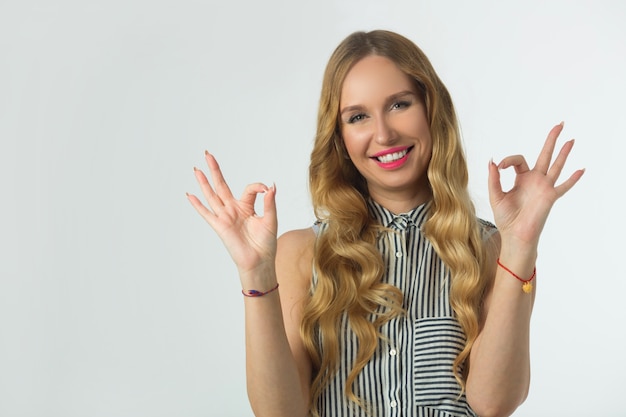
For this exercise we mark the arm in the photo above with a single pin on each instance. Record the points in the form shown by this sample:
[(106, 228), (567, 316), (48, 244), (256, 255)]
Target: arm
[(499, 374), (277, 366)]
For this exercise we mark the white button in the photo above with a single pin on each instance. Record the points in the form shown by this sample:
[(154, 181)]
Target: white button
[(392, 352), (393, 404), (398, 254)]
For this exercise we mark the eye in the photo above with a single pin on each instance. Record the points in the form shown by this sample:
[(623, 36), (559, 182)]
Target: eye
[(356, 118), (400, 104)]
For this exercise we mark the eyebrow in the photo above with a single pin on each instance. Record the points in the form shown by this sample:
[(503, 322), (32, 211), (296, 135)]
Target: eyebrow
[(391, 98)]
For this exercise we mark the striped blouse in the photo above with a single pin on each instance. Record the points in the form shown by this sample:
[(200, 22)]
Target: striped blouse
[(410, 374)]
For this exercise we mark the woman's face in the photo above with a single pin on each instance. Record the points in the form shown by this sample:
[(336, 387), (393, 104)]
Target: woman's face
[(386, 133)]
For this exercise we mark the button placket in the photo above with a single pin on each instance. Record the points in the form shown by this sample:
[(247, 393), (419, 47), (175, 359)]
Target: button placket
[(392, 361), (398, 257), (401, 222)]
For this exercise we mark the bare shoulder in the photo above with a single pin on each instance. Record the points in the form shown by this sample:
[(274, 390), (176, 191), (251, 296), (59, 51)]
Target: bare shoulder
[(492, 249), (302, 239), (492, 243), (294, 269), (295, 254)]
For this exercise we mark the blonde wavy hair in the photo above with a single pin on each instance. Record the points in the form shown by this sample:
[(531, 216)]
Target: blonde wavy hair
[(347, 262)]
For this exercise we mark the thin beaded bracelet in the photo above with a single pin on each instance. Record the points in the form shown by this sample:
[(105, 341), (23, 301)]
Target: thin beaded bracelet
[(527, 286), (255, 293)]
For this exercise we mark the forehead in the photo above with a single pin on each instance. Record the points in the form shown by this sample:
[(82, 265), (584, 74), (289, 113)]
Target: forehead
[(373, 77)]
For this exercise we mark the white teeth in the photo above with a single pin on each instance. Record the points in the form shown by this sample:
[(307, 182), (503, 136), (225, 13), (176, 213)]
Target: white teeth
[(390, 157)]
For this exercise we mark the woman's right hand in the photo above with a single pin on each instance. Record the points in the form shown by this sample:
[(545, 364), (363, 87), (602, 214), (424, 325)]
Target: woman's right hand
[(249, 238)]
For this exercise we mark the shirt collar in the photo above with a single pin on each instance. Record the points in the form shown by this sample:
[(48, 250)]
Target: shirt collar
[(415, 217)]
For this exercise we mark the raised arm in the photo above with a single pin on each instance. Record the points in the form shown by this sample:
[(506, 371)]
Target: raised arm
[(499, 373), (276, 374)]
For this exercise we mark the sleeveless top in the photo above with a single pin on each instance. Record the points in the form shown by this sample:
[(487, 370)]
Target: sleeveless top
[(411, 372)]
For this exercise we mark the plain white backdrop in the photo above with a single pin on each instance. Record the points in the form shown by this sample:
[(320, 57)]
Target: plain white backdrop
[(116, 299)]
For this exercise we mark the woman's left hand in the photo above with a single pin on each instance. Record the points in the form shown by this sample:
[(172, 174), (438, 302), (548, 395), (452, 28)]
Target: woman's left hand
[(521, 212)]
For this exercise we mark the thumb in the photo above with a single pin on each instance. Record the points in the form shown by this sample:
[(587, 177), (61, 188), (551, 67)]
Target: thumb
[(495, 186), (269, 207)]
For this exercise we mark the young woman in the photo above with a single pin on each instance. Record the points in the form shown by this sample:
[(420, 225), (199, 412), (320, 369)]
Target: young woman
[(399, 301)]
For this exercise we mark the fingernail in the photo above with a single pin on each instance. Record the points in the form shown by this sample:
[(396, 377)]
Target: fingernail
[(195, 169), (562, 123), (206, 153)]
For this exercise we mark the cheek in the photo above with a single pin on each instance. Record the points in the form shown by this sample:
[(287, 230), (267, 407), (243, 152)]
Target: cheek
[(414, 126), (421, 132), (354, 140)]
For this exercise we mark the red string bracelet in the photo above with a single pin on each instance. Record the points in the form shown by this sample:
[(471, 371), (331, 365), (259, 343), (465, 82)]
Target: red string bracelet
[(527, 286), (255, 293)]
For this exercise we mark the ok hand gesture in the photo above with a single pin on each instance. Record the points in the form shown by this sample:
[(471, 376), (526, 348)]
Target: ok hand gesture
[(521, 212), (249, 238)]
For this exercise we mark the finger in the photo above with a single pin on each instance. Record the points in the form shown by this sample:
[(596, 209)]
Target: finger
[(494, 184), (545, 156), (269, 207), (569, 183), (516, 161), (559, 162), (221, 187), (201, 209), (215, 202), (251, 191)]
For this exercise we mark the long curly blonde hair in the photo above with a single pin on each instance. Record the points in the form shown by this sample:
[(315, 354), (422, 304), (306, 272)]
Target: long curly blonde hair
[(347, 263)]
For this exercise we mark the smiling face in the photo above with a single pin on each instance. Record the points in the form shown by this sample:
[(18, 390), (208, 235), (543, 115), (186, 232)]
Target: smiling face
[(386, 133)]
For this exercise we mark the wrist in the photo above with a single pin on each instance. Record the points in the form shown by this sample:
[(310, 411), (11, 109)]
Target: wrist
[(257, 293), (512, 248), (527, 286), (261, 278)]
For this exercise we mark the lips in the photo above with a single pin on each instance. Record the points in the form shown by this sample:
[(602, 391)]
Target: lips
[(392, 155), (392, 158)]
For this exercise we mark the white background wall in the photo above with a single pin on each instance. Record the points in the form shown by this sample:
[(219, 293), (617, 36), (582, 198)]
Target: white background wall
[(116, 299)]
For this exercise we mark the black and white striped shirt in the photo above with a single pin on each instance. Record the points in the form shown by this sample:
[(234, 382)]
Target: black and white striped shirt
[(410, 374)]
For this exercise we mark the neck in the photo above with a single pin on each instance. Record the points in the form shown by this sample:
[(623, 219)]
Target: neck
[(399, 204)]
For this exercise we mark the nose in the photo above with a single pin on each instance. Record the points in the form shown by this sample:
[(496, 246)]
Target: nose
[(385, 134)]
